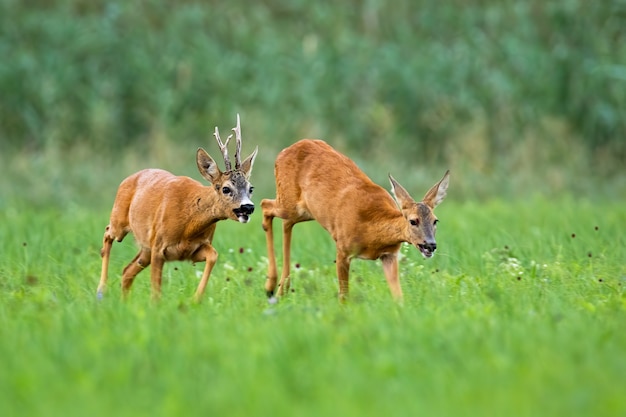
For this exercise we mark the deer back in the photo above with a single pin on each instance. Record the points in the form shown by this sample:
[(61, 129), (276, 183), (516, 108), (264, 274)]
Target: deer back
[(361, 216), (162, 209), (329, 187)]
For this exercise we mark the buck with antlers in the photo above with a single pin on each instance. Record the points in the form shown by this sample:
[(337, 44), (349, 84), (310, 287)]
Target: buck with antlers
[(173, 218), (315, 182)]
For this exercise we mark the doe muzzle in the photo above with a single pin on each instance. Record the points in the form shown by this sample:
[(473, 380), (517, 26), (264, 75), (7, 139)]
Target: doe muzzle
[(430, 246), (427, 249)]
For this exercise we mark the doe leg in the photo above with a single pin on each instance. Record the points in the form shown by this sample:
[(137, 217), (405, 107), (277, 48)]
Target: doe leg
[(268, 216), (390, 268), (284, 284), (343, 275)]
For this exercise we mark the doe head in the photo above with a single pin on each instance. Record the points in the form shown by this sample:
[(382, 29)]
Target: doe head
[(422, 222), (234, 191)]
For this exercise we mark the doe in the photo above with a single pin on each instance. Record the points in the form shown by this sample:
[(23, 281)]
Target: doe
[(315, 182), (173, 218)]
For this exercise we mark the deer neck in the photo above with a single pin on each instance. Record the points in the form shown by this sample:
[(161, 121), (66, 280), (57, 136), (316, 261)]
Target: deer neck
[(388, 227), (385, 223), (395, 228), (383, 235), (207, 206)]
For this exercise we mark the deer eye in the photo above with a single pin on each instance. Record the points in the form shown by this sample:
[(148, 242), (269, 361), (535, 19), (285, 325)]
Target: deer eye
[(251, 190), (414, 222), (226, 190), (435, 222)]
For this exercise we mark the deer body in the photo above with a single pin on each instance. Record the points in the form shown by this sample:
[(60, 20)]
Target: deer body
[(147, 200), (173, 218), (315, 182)]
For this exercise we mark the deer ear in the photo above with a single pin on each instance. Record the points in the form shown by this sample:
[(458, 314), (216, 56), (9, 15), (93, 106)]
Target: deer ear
[(403, 198), (437, 193), (207, 166), (246, 166)]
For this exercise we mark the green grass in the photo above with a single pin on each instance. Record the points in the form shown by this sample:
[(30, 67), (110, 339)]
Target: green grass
[(513, 316), (520, 313)]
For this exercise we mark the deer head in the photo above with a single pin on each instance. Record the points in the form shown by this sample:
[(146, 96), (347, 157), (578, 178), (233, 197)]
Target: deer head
[(232, 185), (422, 222)]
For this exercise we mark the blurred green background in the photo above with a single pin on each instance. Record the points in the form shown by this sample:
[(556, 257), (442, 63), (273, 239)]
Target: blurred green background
[(517, 98), (520, 314)]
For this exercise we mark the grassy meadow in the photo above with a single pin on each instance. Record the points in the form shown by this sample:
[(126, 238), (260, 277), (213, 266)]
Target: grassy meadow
[(522, 311)]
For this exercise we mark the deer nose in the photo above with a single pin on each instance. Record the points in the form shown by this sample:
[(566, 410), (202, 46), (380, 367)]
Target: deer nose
[(430, 246), (246, 209)]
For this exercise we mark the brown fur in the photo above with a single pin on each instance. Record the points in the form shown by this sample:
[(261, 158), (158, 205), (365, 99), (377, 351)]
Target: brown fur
[(173, 218), (315, 182)]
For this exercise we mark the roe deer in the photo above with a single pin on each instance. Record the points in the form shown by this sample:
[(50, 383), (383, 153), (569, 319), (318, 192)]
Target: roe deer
[(173, 218), (315, 182)]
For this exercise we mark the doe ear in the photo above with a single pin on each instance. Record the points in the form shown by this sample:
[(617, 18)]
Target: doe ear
[(437, 193), (246, 166), (207, 166), (403, 198)]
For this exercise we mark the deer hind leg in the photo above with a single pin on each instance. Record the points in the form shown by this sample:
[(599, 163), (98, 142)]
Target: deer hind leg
[(285, 281), (290, 215), (112, 232), (208, 254), (107, 243), (138, 264), (268, 207)]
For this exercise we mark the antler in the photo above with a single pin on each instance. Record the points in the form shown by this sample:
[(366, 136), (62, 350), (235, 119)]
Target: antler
[(237, 130), (224, 147)]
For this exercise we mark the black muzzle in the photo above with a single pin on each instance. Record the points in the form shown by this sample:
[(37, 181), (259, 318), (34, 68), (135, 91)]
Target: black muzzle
[(244, 210)]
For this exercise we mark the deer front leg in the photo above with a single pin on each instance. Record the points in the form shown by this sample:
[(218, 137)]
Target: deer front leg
[(156, 273), (390, 268), (268, 216), (343, 274), (208, 254)]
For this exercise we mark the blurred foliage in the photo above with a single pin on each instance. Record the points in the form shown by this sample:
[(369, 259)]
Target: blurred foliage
[(415, 76)]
